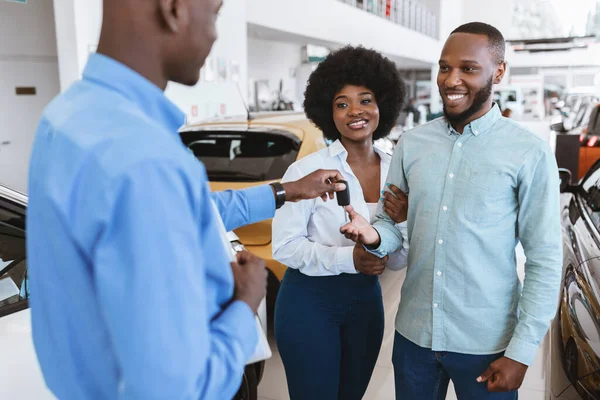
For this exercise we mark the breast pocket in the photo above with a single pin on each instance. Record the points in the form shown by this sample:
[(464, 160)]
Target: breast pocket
[(489, 197)]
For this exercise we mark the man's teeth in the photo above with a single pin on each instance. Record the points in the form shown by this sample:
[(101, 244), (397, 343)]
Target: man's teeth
[(455, 96)]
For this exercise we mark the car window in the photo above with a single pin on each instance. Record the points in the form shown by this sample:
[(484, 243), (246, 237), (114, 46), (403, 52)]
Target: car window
[(231, 156), (594, 121), (13, 268), (582, 113), (578, 119), (505, 95)]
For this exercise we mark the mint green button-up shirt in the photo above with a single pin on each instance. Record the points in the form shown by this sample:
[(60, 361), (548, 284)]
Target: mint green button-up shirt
[(472, 198)]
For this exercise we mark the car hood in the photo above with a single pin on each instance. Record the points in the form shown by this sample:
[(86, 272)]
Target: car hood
[(258, 234)]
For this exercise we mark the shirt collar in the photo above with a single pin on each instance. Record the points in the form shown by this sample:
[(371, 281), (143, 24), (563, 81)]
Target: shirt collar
[(151, 99), (483, 123), (338, 149)]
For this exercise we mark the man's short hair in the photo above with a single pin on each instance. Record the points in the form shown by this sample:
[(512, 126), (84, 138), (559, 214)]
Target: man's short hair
[(496, 41)]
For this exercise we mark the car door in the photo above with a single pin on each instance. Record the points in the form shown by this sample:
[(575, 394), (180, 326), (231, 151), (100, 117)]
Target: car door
[(579, 311), (574, 236), (20, 374)]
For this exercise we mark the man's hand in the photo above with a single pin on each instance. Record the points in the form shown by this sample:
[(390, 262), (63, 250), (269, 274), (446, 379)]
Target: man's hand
[(321, 183), (396, 204), (250, 277), (359, 230), (504, 375), (367, 263)]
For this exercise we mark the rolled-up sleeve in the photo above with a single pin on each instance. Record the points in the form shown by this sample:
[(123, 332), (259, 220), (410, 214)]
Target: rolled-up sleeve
[(392, 238), (540, 235), (399, 259), (150, 281)]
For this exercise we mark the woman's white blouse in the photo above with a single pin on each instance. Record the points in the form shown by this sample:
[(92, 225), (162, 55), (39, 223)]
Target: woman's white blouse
[(306, 234)]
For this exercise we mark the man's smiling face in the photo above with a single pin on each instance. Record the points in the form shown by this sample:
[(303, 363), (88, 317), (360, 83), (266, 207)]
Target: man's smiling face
[(468, 69)]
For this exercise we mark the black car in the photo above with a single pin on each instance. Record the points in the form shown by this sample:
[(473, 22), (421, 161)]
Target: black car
[(573, 352)]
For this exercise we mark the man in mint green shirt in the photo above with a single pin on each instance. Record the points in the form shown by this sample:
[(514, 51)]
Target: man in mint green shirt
[(477, 184)]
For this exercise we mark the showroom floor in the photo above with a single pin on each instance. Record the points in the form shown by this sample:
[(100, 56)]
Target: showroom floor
[(274, 387)]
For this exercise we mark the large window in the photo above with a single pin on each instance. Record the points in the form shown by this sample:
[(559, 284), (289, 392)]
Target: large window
[(231, 156)]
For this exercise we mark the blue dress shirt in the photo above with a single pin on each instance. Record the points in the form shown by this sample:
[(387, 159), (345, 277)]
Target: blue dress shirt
[(131, 283), (472, 197)]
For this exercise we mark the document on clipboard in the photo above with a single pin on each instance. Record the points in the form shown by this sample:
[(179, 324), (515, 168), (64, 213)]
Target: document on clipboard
[(262, 350)]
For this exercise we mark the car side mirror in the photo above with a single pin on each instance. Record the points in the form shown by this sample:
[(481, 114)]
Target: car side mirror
[(565, 177), (567, 124), (558, 127)]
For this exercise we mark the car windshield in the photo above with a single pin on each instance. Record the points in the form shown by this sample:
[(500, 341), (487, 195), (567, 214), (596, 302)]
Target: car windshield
[(234, 156), (13, 266)]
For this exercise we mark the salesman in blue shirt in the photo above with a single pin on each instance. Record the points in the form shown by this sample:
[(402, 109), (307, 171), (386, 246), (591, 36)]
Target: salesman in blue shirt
[(133, 294)]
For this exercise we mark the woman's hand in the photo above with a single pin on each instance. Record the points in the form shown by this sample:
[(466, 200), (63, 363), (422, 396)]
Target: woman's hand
[(395, 204), (359, 230)]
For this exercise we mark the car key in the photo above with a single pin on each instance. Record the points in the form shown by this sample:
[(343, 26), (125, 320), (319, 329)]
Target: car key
[(343, 198)]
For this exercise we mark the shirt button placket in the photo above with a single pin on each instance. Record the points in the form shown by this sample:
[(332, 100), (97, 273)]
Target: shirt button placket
[(438, 282)]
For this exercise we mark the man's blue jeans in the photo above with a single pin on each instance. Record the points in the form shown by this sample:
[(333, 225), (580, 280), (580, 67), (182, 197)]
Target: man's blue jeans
[(423, 374)]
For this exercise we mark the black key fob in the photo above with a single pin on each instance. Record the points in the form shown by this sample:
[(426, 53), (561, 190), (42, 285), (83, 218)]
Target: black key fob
[(343, 197)]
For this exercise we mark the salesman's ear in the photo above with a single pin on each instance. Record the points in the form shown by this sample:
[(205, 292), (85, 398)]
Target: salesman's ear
[(174, 14)]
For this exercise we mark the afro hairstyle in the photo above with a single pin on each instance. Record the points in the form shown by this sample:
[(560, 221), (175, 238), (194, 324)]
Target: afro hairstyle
[(355, 66)]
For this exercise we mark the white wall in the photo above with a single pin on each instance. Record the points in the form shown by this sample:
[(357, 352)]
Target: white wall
[(27, 29), (335, 22), (273, 61), (220, 98), (78, 25), (495, 13), (20, 115), (28, 58)]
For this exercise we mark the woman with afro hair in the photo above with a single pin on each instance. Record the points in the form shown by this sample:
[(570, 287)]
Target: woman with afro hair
[(329, 315)]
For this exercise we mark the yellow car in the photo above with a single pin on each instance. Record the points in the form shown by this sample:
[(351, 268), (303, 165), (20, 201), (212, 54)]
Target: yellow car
[(240, 153)]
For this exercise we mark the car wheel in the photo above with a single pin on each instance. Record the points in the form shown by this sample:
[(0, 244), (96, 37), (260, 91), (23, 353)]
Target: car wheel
[(571, 359), (272, 291), (249, 388)]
